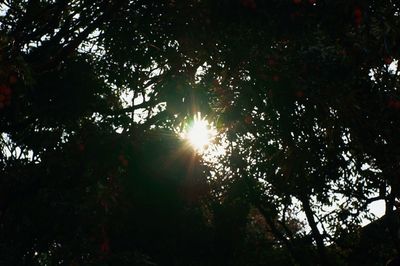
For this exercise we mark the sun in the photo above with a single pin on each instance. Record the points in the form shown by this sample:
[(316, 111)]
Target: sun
[(199, 133)]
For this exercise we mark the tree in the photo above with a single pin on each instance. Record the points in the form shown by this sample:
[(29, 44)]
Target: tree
[(302, 92)]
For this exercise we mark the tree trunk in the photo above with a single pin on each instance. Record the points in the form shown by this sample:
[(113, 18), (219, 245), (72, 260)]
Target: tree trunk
[(314, 231)]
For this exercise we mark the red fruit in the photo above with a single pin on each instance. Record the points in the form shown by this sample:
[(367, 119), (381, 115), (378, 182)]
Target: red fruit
[(249, 4), (12, 79), (104, 204), (81, 147), (357, 16), (391, 103), (296, 2), (271, 62), (123, 161), (388, 60), (105, 247), (300, 93), (5, 90), (248, 119), (219, 90), (275, 78), (396, 105), (357, 12)]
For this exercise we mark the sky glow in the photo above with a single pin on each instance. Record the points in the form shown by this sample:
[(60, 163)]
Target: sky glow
[(199, 133)]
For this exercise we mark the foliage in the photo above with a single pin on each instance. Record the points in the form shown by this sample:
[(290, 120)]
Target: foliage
[(304, 94)]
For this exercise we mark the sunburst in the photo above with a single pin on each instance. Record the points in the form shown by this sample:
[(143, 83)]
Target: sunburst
[(199, 133)]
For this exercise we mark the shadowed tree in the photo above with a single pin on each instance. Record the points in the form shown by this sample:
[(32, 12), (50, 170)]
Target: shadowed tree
[(304, 95)]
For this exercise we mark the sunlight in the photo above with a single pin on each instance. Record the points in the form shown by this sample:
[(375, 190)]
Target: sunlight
[(199, 133)]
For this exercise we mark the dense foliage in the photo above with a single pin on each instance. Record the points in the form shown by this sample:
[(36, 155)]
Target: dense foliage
[(304, 95)]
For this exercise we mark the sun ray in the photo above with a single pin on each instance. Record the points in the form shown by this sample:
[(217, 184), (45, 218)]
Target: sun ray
[(199, 133)]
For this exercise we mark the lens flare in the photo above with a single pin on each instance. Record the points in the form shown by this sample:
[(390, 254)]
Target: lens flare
[(199, 133)]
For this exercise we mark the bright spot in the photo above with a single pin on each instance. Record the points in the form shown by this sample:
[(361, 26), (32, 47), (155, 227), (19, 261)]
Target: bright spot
[(199, 133)]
